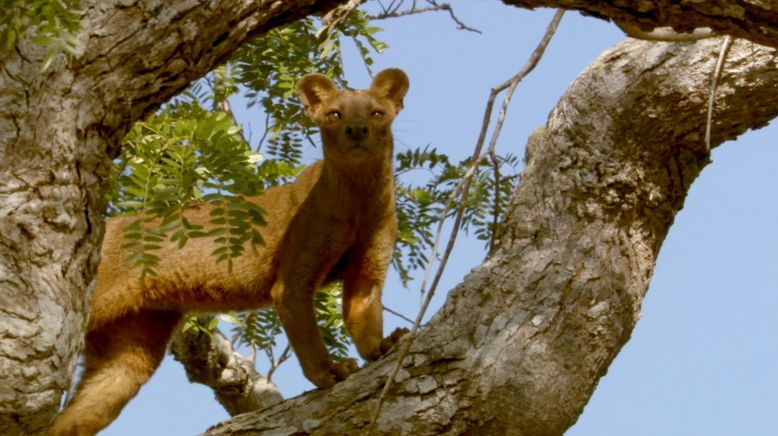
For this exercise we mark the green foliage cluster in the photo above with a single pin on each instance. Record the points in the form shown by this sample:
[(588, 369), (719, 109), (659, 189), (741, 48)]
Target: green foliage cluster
[(268, 68), (259, 329), (326, 306), (51, 23), (192, 151), (182, 155), (421, 200)]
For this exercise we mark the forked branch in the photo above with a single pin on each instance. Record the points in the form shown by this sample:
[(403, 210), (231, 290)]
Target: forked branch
[(392, 10)]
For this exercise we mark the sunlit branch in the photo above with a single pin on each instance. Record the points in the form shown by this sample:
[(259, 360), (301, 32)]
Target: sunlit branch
[(462, 189)]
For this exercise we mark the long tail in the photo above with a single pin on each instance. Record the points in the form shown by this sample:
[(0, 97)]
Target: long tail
[(119, 358)]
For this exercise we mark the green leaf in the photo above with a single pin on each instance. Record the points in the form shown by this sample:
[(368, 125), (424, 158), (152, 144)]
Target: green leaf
[(230, 318)]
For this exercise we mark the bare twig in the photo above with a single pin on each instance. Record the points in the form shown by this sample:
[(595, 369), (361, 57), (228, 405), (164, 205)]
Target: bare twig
[(253, 355), (405, 13), (463, 187), (725, 45), (496, 212), (224, 105), (398, 314), (392, 11), (274, 364), (264, 133), (334, 17), (393, 6)]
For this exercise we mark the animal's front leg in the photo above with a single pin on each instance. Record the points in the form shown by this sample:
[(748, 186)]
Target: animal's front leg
[(362, 312), (363, 282), (293, 299)]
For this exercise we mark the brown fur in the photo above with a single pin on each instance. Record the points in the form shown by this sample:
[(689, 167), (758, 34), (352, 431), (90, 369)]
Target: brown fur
[(335, 222)]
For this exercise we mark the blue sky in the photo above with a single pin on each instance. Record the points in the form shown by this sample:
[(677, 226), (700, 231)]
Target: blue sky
[(703, 358)]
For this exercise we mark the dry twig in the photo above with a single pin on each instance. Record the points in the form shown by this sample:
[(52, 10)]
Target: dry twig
[(496, 212), (462, 191), (337, 15), (398, 314), (725, 45), (392, 11), (274, 364)]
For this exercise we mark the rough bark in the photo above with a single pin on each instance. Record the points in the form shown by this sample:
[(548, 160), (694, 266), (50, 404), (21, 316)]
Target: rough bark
[(755, 20), (519, 346), (58, 134), (59, 130), (209, 359)]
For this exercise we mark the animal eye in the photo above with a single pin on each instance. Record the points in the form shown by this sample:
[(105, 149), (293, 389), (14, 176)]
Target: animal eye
[(377, 114), (334, 116)]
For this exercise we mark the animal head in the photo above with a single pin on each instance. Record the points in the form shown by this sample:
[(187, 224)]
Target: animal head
[(355, 125)]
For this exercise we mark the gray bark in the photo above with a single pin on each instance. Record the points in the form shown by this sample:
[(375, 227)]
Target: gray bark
[(755, 20), (520, 345), (568, 278), (209, 359), (58, 134)]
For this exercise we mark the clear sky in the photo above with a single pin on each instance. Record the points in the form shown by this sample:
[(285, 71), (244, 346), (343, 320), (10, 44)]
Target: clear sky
[(703, 358)]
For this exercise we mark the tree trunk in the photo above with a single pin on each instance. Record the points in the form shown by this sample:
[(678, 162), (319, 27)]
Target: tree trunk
[(520, 345), (58, 133)]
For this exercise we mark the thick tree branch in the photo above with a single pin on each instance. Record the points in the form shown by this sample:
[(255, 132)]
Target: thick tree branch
[(210, 360), (462, 190), (145, 53), (520, 345), (754, 20)]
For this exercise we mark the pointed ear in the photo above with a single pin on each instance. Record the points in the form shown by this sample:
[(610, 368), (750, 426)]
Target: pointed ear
[(391, 84), (312, 89)]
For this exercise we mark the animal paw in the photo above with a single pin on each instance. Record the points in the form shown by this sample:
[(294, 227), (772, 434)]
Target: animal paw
[(344, 368), (392, 339), (337, 371)]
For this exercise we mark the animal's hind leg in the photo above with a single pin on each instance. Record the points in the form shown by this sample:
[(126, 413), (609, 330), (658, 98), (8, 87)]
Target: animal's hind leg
[(119, 358)]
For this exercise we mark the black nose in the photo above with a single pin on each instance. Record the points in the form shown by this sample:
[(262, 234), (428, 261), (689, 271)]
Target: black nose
[(356, 130)]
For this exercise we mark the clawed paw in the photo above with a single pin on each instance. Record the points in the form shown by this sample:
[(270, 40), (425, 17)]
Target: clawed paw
[(344, 368), (338, 371), (392, 339)]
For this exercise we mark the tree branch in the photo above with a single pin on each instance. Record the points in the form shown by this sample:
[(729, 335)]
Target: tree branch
[(754, 20), (54, 174), (664, 34), (530, 332), (334, 17), (210, 360), (151, 50), (462, 190), (392, 11)]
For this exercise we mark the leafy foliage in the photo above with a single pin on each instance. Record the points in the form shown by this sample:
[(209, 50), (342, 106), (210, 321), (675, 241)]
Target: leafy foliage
[(327, 308), (200, 324), (258, 329), (182, 155), (186, 154), (269, 67), (52, 23), (421, 201)]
